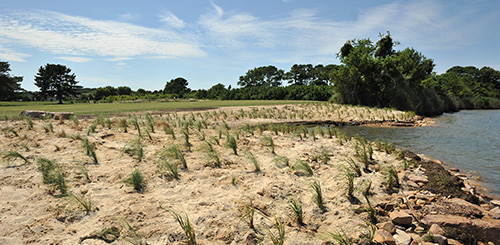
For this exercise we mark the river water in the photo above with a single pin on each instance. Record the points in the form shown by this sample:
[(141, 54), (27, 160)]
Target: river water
[(468, 140)]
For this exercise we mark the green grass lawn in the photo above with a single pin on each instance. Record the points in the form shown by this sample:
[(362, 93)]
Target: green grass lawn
[(13, 109)]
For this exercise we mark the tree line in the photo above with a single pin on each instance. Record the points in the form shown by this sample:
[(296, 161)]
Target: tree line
[(371, 74)]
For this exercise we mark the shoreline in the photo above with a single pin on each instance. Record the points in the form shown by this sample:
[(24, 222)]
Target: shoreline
[(271, 164)]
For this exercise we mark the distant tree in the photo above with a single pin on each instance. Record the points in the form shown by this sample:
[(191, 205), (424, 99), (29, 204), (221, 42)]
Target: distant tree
[(300, 74), (9, 85), (177, 87), (56, 80), (104, 92), (322, 74), (124, 90), (268, 76), (217, 91)]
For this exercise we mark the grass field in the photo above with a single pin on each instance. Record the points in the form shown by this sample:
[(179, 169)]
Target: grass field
[(12, 110)]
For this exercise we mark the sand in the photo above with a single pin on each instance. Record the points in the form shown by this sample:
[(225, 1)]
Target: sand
[(214, 198)]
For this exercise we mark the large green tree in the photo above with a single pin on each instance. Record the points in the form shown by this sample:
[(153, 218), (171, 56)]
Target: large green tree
[(267, 76), (9, 85), (177, 87), (56, 80)]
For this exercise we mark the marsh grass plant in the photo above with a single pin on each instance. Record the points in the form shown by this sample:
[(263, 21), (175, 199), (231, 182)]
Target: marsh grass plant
[(348, 177), (277, 238), (52, 175), (212, 154), (282, 161), (340, 237), (391, 176), (137, 181), (248, 212), (11, 156), (187, 143), (269, 142), (186, 226), (135, 148), (89, 149), (297, 213), (85, 203), (253, 160), (231, 143), (317, 194), (303, 167)]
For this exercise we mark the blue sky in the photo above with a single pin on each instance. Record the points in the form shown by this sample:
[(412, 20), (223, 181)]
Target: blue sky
[(143, 44)]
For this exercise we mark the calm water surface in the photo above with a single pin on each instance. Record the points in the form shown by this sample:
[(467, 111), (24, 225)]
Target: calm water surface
[(468, 140)]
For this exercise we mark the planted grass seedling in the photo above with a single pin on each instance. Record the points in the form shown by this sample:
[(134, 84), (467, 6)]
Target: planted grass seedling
[(340, 237), (282, 160), (137, 181), (85, 203), (268, 141), (304, 167), (297, 213), (89, 149), (52, 175), (11, 156), (212, 155), (135, 149), (186, 226), (317, 194), (231, 143), (348, 176), (253, 160)]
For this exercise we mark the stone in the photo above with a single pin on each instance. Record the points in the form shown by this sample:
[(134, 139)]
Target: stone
[(495, 202), (416, 238), (33, 114), (401, 218), (63, 115), (441, 240), (485, 229), (436, 230), (418, 178), (454, 242), (384, 237), (402, 238), (495, 210), (387, 226)]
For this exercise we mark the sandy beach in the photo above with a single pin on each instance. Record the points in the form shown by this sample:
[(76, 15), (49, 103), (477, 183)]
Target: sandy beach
[(276, 160)]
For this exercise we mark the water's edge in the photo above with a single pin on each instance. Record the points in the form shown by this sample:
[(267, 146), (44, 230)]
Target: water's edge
[(468, 140)]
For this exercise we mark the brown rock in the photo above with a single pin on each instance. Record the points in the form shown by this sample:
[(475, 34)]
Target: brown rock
[(495, 210), (387, 226), (402, 238), (436, 230), (384, 237), (33, 114), (441, 240), (495, 202), (485, 229), (416, 238), (63, 115), (454, 242), (401, 218)]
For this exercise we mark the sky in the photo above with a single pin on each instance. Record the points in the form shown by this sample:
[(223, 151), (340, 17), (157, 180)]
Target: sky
[(144, 44)]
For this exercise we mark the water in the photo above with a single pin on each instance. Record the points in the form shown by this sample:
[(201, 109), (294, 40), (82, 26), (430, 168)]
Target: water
[(468, 140)]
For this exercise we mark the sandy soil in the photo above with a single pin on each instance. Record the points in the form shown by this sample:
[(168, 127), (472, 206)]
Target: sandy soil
[(214, 198)]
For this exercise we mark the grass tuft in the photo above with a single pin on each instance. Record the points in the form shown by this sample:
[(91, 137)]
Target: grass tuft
[(231, 143), (13, 155), (137, 181), (317, 194), (89, 149), (297, 213), (186, 226), (85, 203), (268, 141)]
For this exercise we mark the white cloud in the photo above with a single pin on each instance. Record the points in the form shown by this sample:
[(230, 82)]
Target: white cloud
[(171, 20), (76, 59), (10, 55), (62, 34), (128, 17)]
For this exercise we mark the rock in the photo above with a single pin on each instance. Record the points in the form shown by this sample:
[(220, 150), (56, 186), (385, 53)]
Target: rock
[(495, 202), (402, 238), (416, 238), (33, 114), (436, 230), (401, 218), (63, 115), (384, 237), (454, 242), (495, 210), (411, 155), (387, 226), (441, 240), (418, 178), (485, 229)]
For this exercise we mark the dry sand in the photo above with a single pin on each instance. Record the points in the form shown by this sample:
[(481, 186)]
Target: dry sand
[(32, 212)]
